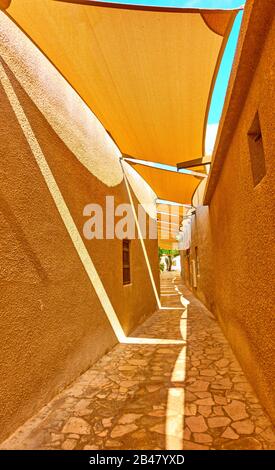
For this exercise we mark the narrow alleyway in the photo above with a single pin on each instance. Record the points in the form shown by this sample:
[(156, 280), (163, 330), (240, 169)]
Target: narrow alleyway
[(155, 395)]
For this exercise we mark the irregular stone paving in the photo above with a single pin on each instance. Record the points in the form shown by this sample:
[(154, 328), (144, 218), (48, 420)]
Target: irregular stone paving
[(124, 400)]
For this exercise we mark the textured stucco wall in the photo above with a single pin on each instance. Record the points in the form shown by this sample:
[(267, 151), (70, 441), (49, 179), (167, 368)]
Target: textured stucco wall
[(53, 326), (237, 238), (202, 241)]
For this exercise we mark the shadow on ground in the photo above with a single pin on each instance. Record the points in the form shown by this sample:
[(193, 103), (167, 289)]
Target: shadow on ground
[(157, 396)]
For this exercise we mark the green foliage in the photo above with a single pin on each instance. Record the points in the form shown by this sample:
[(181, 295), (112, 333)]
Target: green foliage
[(169, 256), (173, 253)]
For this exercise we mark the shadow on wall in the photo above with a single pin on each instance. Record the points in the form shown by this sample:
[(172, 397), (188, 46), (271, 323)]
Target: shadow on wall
[(197, 260), (63, 304), (18, 232)]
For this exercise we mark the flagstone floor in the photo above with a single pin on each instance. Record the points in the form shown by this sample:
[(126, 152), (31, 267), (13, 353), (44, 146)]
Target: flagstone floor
[(154, 395)]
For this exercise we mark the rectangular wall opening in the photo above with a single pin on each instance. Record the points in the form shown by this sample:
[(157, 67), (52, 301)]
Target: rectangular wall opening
[(126, 261), (197, 261), (256, 149)]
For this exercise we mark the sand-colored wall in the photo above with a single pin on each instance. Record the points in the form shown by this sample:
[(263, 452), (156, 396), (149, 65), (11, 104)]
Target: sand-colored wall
[(202, 241), (53, 325), (235, 236)]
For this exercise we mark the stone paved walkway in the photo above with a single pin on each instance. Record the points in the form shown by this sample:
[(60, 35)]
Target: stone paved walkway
[(157, 395)]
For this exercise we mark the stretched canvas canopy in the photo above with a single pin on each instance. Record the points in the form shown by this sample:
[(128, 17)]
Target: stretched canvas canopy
[(167, 185), (170, 218), (146, 72)]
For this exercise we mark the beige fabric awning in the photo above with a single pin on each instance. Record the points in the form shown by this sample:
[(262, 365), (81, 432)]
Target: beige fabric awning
[(146, 72), (169, 221), (170, 186)]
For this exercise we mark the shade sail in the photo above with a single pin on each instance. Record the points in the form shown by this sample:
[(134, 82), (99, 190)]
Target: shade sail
[(147, 73), (169, 221), (177, 187)]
